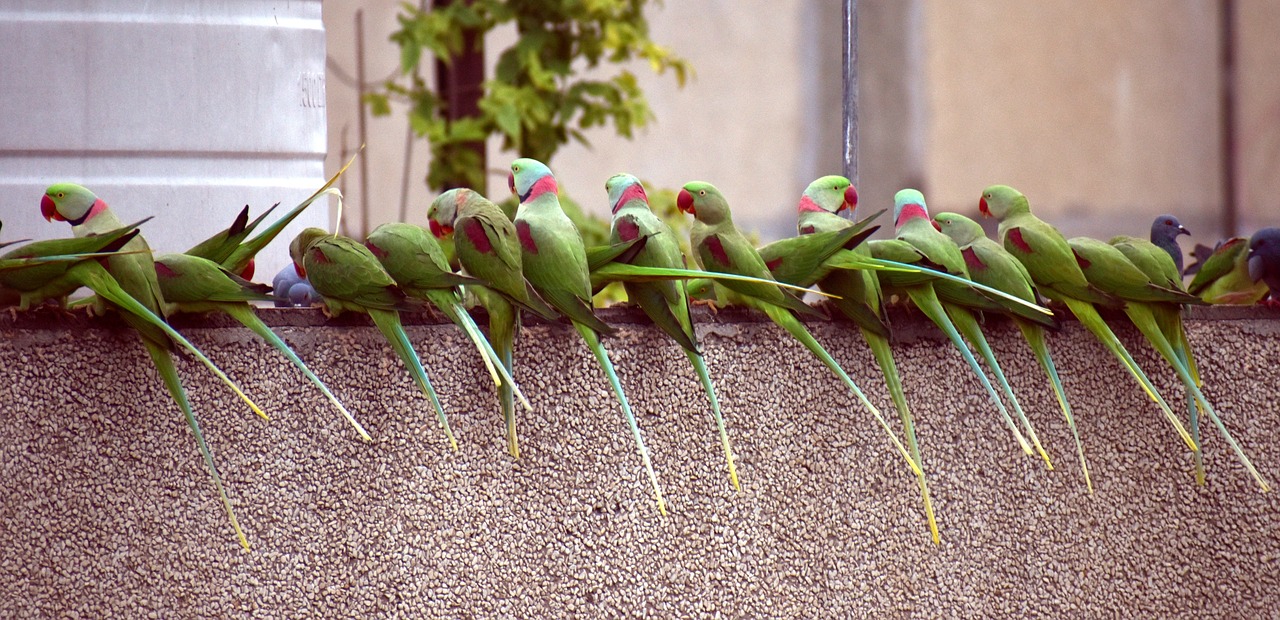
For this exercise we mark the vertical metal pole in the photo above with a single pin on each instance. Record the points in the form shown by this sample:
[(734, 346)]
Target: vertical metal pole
[(851, 90), (361, 127), (1230, 210)]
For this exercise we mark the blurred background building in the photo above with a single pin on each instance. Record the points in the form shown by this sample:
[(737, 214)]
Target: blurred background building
[(1104, 113)]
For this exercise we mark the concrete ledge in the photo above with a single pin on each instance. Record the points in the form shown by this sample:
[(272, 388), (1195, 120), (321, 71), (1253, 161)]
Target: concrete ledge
[(108, 510)]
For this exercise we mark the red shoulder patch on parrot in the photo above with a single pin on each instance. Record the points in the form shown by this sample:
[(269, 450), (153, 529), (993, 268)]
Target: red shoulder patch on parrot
[(716, 247), (806, 230), (526, 237), (248, 270), (165, 271), (476, 235), (320, 256), (377, 251), (773, 264), (971, 259), (628, 230), (1015, 237), (1232, 243), (1084, 264)]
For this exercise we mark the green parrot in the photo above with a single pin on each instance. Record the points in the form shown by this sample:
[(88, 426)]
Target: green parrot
[(919, 288), (860, 300), (413, 258), (718, 246), (488, 251), (555, 263), (350, 278), (911, 220), (1107, 268), (193, 284), (1053, 267), (219, 247), (990, 264), (134, 274), (1149, 256), (1223, 278), (666, 303)]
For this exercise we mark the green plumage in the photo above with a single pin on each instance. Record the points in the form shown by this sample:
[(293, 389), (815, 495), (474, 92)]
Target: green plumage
[(415, 260), (988, 263), (129, 284), (719, 246), (350, 278), (195, 285), (555, 263), (665, 302), (1053, 266), (1108, 269)]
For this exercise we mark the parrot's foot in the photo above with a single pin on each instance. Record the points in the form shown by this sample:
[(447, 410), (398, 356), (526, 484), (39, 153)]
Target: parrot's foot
[(708, 303)]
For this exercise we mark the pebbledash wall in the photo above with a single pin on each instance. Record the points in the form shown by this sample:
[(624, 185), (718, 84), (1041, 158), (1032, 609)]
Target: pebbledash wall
[(107, 509)]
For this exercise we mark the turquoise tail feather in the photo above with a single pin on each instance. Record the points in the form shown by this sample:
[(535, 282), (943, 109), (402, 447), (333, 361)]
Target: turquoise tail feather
[(784, 319), (246, 316), (927, 301), (1141, 316), (700, 367), (602, 357), (1092, 321), (1034, 335), (968, 326), (169, 374), (883, 353), (388, 322)]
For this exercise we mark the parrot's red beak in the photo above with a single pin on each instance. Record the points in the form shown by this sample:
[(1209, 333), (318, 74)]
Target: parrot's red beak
[(50, 210), (850, 198), (299, 269), (511, 181), (440, 231), (936, 226), (684, 201), (982, 206), (248, 270)]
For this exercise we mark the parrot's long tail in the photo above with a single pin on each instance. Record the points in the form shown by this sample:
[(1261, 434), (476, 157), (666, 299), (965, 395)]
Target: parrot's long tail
[(700, 367), (1034, 335), (789, 322), (965, 322), (602, 356), (500, 373), (927, 301), (1169, 318), (504, 321), (1092, 321), (884, 357), (96, 277), (388, 322), (169, 373), (1142, 317), (245, 315)]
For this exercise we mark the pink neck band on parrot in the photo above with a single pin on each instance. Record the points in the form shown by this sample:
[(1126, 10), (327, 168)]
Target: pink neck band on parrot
[(542, 186), (807, 205), (910, 212), (98, 207), (633, 192)]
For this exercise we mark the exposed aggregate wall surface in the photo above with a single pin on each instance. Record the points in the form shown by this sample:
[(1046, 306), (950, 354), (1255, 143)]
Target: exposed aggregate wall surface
[(107, 508)]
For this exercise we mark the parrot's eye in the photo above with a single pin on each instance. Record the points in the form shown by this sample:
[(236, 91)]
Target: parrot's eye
[(60, 194), (702, 192)]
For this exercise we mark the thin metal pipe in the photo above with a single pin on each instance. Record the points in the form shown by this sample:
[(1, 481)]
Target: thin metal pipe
[(1230, 168), (361, 127), (850, 57)]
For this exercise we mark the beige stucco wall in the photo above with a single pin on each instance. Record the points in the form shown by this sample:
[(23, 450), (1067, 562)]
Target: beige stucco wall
[(108, 511), (1104, 113)]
